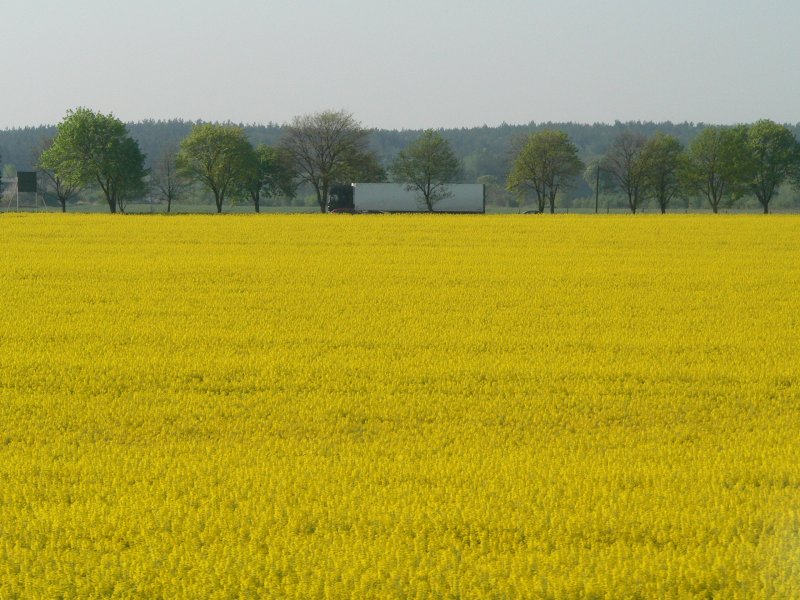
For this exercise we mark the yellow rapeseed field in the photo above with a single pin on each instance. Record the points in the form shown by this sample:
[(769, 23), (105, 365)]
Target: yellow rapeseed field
[(329, 406)]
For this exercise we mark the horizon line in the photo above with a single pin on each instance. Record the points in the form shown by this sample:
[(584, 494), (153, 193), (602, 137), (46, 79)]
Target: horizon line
[(532, 123)]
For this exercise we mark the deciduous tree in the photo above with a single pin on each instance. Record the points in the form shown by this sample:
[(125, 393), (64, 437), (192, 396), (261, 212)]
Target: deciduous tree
[(661, 159), (270, 173), (426, 166), (64, 187), (547, 163), (96, 148), (774, 159), (623, 163), (217, 156), (718, 165), (165, 179), (326, 147)]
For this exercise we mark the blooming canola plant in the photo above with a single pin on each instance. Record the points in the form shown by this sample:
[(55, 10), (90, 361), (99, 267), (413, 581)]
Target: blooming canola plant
[(399, 406)]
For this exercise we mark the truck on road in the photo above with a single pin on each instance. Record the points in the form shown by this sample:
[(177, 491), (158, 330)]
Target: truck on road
[(396, 197)]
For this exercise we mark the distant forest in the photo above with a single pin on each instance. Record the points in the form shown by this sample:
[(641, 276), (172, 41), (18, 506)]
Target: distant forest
[(486, 152)]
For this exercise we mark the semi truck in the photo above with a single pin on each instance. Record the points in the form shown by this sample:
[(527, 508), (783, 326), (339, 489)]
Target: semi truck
[(396, 197)]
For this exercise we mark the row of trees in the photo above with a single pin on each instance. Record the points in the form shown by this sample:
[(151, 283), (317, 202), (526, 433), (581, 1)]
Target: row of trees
[(320, 150), (93, 149), (484, 151), (721, 165)]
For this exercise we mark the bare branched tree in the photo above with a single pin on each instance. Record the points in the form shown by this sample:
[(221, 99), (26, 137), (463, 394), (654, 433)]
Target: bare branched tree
[(166, 182), (623, 162), (327, 147)]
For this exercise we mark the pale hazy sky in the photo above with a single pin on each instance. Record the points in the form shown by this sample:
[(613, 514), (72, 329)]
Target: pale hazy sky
[(403, 64)]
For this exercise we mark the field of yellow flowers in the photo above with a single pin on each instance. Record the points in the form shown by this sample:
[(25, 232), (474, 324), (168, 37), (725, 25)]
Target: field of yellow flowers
[(328, 406)]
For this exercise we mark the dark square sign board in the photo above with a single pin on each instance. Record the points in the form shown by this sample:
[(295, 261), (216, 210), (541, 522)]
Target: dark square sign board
[(26, 181)]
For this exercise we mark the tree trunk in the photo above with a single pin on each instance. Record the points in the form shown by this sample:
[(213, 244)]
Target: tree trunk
[(108, 191), (542, 202), (318, 191), (257, 202), (112, 202), (169, 203), (766, 208), (326, 186), (322, 197), (111, 199), (553, 192)]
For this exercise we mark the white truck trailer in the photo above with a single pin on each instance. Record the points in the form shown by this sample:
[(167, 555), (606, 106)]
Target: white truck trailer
[(395, 197)]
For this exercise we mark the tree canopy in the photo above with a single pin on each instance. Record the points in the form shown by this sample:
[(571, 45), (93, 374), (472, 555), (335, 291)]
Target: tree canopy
[(327, 147), (623, 162), (166, 181), (269, 173), (426, 166), (92, 147), (483, 152), (774, 159), (661, 163), (64, 188), (217, 156), (717, 165), (546, 163)]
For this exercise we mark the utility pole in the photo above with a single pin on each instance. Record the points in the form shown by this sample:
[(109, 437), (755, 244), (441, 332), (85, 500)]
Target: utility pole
[(597, 190)]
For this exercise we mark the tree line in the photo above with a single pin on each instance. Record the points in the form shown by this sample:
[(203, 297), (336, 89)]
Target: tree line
[(640, 163), (319, 150), (720, 165)]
